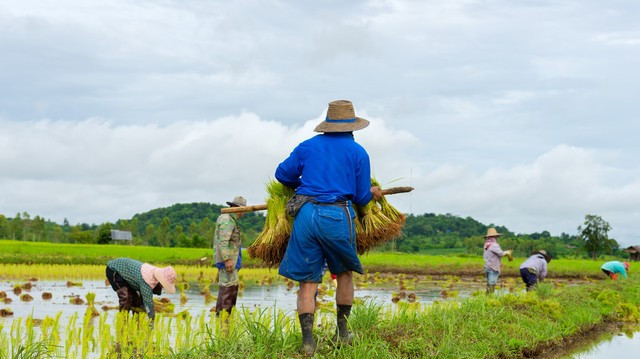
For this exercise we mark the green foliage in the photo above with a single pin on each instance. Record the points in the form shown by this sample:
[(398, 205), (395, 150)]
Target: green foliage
[(193, 224), (595, 235)]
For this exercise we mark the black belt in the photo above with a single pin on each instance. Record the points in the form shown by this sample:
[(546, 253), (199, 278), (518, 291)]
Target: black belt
[(337, 203)]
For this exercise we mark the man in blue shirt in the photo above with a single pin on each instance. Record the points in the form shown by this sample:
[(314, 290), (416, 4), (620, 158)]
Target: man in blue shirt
[(329, 171)]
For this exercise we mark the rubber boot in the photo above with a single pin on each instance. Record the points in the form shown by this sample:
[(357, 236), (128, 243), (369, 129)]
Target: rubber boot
[(124, 298), (343, 335), (227, 297), (491, 288), (308, 343)]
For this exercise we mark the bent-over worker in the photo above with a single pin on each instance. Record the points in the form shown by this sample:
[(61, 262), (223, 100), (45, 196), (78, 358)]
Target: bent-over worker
[(613, 268), (534, 269), (136, 283)]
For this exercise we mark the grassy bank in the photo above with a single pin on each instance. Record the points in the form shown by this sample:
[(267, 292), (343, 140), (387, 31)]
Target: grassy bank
[(500, 326)]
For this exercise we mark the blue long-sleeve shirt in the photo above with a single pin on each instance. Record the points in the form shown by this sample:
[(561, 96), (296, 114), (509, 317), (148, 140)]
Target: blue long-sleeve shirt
[(331, 167)]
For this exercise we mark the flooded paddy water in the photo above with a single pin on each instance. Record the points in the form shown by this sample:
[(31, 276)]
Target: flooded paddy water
[(280, 295), (387, 290)]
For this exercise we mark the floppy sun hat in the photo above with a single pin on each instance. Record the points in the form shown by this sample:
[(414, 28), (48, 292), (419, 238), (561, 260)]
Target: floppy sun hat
[(238, 201), (491, 232), (544, 254), (341, 117), (167, 277)]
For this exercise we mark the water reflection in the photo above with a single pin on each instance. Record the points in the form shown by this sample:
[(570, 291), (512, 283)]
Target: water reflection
[(612, 346)]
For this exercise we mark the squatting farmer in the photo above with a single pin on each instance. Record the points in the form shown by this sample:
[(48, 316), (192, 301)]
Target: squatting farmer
[(492, 256), (136, 283), (534, 269), (613, 268), (228, 256), (328, 171)]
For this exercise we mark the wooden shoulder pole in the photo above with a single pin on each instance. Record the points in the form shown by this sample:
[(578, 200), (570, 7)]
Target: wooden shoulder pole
[(262, 207)]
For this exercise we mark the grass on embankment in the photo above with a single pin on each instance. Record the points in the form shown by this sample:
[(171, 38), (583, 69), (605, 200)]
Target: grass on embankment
[(18, 252), (499, 326)]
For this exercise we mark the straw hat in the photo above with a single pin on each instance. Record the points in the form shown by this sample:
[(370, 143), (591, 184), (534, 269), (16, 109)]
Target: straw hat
[(238, 201), (167, 277), (491, 232), (544, 254), (341, 117)]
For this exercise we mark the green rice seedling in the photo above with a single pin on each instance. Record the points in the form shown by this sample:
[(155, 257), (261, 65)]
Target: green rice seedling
[(88, 342), (91, 309), (74, 284)]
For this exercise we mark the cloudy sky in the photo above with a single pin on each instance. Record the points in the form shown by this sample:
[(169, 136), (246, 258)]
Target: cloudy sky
[(514, 112)]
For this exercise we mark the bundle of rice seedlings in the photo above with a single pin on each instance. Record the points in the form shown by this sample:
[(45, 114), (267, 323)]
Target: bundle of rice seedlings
[(163, 305), (46, 295), (76, 300), (182, 287), (91, 297), (376, 223), (6, 312), (272, 241), (26, 297), (379, 223)]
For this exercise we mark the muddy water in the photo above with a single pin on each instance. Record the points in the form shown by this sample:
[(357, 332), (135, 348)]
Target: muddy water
[(609, 346), (251, 297)]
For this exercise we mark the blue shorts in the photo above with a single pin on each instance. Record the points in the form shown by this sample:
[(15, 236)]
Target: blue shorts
[(321, 233)]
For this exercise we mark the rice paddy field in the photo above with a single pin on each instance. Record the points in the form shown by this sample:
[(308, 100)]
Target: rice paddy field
[(18, 252), (407, 306), (452, 320)]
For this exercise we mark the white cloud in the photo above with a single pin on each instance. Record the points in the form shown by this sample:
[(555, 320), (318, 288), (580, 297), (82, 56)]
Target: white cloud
[(530, 102), (96, 171), (552, 193)]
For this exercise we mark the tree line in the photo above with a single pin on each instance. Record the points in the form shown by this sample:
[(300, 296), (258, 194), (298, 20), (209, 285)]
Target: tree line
[(193, 225)]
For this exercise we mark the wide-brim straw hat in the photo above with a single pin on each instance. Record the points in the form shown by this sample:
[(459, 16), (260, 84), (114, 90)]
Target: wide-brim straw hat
[(544, 254), (341, 117), (491, 232), (238, 201), (167, 277)]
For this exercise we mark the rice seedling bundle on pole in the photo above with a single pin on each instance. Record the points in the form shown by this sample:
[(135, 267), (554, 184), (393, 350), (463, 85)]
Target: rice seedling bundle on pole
[(376, 223), (271, 243)]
